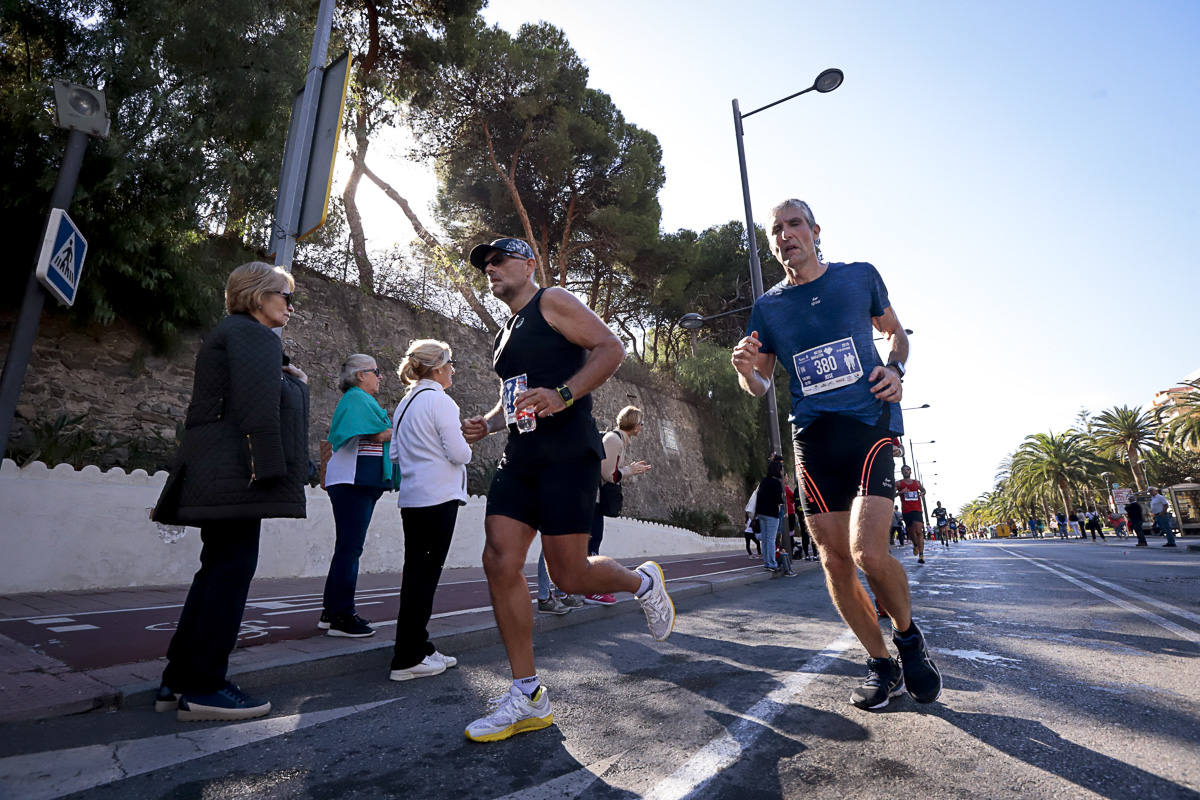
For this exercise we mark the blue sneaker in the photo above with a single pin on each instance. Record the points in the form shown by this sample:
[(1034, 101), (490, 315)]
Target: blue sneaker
[(227, 703)]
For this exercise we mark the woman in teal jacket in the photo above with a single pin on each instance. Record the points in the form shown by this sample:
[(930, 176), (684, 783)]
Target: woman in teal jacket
[(356, 477)]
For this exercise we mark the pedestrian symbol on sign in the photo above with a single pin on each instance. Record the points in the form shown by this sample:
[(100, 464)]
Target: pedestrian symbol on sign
[(60, 262)]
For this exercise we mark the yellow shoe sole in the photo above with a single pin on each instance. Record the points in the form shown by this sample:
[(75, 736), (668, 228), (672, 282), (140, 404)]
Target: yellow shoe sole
[(523, 726)]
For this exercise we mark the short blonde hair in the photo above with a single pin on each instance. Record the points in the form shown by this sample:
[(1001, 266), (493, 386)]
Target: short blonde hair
[(629, 418), (248, 283), (422, 358)]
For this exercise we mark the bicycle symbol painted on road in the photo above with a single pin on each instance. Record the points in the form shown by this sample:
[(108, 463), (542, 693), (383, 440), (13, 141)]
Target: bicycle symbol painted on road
[(251, 628)]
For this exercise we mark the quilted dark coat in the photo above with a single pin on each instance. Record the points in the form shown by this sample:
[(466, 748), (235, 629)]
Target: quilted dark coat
[(246, 418)]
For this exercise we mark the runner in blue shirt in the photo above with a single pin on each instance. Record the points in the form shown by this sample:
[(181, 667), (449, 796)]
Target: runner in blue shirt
[(820, 322)]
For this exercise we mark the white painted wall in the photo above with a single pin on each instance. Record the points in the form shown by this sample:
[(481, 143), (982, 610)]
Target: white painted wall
[(62, 530)]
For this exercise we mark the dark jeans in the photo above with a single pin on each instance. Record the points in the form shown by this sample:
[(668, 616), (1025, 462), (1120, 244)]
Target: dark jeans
[(427, 534), (352, 509), (198, 655), (597, 535), (752, 537), (1139, 531)]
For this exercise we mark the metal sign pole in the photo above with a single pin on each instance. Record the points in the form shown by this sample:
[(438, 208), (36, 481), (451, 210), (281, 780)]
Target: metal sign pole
[(292, 185), (25, 332), (756, 281)]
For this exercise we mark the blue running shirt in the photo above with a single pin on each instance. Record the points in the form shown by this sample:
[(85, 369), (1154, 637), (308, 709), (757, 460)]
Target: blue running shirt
[(822, 334)]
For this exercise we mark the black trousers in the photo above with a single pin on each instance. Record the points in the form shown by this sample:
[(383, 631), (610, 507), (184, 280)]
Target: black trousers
[(198, 655), (427, 534)]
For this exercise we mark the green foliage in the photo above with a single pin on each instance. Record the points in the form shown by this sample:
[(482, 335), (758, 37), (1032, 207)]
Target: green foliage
[(700, 520), (734, 436), (61, 440), (523, 146), (199, 95)]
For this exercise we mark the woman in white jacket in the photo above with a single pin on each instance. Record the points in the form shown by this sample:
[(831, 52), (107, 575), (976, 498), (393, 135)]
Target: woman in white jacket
[(431, 453)]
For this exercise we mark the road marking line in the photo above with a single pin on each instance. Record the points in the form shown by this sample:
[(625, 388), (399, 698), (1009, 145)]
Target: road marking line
[(310, 610), (731, 743), (80, 768), (50, 620), (384, 591), (1179, 612), (69, 628), (1181, 632)]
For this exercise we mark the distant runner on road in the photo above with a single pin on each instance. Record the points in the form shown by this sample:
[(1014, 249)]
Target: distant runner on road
[(819, 321), (910, 492)]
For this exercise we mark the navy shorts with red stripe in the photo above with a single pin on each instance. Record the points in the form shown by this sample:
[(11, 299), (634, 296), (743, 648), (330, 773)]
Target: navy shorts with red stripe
[(838, 459)]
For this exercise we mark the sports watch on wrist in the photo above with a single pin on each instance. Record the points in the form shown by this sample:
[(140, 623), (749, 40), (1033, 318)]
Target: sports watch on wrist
[(899, 367), (566, 395)]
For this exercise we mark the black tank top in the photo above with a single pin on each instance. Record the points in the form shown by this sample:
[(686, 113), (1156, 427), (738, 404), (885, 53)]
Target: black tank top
[(528, 345)]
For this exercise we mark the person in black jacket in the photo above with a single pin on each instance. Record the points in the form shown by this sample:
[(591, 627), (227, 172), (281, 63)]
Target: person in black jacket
[(1133, 510), (766, 510), (244, 457)]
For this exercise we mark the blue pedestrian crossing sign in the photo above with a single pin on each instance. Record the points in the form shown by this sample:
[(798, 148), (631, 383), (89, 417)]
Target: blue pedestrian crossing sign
[(60, 262)]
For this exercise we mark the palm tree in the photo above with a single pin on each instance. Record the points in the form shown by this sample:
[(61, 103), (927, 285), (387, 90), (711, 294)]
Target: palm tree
[(1183, 427), (1056, 462), (1128, 432)]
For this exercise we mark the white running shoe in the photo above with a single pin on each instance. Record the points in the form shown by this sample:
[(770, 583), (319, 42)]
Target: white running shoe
[(513, 713), (427, 668), (449, 661), (656, 603)]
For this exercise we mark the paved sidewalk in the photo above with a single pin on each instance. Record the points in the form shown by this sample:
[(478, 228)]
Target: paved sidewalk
[(34, 685)]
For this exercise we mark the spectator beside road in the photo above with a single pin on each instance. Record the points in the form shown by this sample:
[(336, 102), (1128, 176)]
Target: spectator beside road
[(896, 534), (766, 510), (1133, 510), (1094, 526), (614, 470), (356, 477), (432, 455), (1162, 516), (243, 458), (749, 532)]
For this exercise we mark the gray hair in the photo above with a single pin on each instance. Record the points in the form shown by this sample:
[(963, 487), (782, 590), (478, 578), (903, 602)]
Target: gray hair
[(804, 209), (350, 369)]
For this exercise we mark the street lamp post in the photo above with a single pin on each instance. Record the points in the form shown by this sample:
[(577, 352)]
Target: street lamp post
[(917, 467), (827, 81)]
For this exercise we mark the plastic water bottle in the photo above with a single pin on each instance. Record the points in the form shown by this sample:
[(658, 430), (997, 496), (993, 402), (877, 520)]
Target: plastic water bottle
[(526, 418)]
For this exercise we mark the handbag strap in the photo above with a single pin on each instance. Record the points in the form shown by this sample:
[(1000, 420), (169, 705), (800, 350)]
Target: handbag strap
[(396, 433)]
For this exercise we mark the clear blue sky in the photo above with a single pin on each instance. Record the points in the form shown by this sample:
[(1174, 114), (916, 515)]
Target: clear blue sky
[(1025, 177)]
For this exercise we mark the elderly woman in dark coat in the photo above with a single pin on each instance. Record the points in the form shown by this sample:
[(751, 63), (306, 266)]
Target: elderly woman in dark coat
[(244, 457)]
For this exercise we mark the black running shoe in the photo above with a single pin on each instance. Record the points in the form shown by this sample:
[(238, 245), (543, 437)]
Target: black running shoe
[(884, 681), (921, 676), (351, 625)]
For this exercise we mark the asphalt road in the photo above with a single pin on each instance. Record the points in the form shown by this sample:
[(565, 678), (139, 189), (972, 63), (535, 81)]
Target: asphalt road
[(127, 634), (1070, 672)]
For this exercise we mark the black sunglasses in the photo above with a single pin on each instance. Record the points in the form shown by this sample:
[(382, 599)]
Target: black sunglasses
[(373, 369), (287, 296)]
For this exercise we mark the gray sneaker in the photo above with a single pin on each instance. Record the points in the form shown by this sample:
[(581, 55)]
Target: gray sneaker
[(656, 603), (552, 605), (570, 600)]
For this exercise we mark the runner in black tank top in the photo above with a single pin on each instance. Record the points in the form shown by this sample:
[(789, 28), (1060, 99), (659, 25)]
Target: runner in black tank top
[(548, 478), (527, 345)]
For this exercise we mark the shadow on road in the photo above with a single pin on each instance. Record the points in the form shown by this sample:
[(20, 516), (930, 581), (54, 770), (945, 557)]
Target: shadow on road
[(1039, 746)]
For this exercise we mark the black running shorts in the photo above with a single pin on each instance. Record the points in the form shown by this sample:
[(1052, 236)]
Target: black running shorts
[(838, 459), (555, 498), (913, 518)]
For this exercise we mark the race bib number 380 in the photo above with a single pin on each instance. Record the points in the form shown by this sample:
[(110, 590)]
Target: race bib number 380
[(829, 366)]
